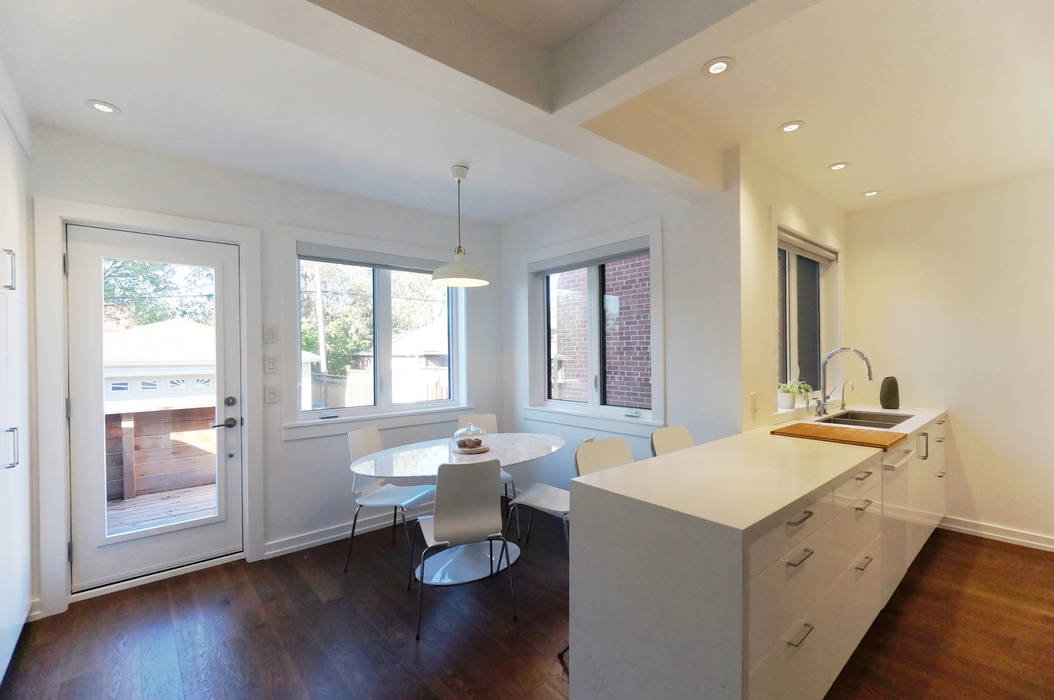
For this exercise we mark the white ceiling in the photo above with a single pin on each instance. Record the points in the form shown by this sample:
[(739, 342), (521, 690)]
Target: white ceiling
[(920, 96), (197, 85), (545, 22)]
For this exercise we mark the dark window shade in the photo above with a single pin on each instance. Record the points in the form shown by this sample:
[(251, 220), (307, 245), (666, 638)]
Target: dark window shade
[(808, 311), (781, 315)]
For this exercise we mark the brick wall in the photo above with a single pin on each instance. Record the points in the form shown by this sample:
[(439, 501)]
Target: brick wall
[(569, 336), (627, 332)]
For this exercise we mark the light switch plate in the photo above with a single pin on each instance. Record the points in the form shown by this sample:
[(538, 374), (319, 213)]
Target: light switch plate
[(270, 394), (270, 365), (270, 334)]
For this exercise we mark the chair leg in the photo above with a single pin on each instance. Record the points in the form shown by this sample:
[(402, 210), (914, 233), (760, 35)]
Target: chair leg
[(567, 535), (410, 544), (351, 539), (560, 654), (395, 515), (512, 586), (490, 543), (530, 524), (518, 533), (421, 590)]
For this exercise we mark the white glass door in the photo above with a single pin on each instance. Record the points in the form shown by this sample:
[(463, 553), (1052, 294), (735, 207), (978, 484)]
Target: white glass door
[(155, 403)]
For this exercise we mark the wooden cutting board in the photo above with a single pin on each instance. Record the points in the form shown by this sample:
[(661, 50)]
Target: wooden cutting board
[(882, 439)]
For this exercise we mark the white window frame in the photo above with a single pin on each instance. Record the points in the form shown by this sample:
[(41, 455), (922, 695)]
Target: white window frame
[(383, 256), (590, 252), (797, 245)]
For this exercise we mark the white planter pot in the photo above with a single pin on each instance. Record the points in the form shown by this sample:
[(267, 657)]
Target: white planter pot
[(784, 400)]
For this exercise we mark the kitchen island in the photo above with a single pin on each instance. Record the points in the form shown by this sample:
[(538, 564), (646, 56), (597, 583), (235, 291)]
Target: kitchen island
[(746, 567)]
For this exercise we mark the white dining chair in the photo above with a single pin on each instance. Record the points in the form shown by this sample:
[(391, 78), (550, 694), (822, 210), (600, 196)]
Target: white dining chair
[(366, 441), (670, 439), (549, 499), (466, 512), (601, 454), (488, 422)]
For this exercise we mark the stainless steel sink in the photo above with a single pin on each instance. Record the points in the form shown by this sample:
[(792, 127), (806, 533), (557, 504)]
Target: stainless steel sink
[(867, 419)]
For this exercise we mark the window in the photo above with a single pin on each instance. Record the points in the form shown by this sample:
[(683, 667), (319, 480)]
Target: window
[(118, 386), (148, 385), (599, 320), (177, 384), (798, 316), (203, 382), (371, 338)]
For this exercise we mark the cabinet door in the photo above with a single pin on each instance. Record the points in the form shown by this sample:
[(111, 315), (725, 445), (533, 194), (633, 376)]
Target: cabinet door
[(939, 467), (895, 516)]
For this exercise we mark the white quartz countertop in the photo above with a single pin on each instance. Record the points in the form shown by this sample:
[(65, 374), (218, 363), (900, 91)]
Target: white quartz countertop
[(740, 480)]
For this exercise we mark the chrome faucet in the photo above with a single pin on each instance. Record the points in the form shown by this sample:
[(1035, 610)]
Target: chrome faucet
[(821, 403)]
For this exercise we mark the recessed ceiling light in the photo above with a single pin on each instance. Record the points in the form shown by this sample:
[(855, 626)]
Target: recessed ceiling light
[(104, 107), (871, 193), (840, 165), (788, 127), (717, 66)]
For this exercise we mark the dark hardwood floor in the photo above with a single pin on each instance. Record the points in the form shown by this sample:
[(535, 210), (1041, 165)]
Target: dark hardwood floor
[(973, 618), (298, 627)]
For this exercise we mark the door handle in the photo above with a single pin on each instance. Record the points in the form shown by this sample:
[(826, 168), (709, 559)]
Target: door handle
[(926, 437), (231, 422), (14, 448)]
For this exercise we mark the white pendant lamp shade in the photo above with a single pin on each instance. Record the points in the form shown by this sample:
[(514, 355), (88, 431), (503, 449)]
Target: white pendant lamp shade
[(459, 272)]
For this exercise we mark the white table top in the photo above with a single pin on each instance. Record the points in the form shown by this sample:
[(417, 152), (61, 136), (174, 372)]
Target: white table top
[(422, 459)]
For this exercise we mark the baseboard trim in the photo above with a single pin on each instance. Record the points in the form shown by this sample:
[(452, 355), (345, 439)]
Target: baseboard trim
[(314, 538), (998, 532)]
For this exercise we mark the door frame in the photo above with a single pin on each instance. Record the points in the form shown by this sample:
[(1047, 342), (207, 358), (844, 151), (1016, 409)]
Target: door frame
[(49, 350)]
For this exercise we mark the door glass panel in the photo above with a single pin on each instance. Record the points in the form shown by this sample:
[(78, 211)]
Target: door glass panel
[(420, 338), (159, 393)]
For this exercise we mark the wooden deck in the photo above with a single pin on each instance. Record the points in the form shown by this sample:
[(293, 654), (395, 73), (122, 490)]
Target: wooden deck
[(155, 509)]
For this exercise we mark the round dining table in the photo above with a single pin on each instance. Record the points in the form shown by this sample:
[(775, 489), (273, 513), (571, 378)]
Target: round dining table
[(419, 461)]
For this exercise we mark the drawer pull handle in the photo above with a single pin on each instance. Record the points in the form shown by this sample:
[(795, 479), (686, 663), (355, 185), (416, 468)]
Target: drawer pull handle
[(940, 439), (863, 476), (940, 422), (867, 563), (12, 285), (802, 556), (908, 456), (797, 640), (864, 506), (804, 516), (940, 475)]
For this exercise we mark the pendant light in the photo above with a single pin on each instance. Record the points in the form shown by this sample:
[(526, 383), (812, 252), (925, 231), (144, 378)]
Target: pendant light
[(459, 272)]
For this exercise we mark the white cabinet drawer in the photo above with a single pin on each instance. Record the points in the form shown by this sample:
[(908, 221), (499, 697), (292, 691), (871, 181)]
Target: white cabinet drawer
[(783, 591), (813, 649), (861, 480), (858, 521), (788, 527)]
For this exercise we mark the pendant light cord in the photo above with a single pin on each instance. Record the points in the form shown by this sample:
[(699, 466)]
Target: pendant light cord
[(459, 248)]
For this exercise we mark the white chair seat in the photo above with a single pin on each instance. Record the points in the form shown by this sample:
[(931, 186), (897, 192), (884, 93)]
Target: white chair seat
[(397, 496), (506, 478), (552, 500)]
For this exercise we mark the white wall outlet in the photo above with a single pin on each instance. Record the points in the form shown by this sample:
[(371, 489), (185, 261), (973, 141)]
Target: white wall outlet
[(270, 394), (270, 364), (270, 334)]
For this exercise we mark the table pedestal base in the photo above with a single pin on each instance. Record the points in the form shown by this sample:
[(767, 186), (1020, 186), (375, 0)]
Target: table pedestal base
[(469, 562)]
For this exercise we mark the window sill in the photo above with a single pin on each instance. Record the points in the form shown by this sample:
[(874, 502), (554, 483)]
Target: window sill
[(307, 429), (602, 422)]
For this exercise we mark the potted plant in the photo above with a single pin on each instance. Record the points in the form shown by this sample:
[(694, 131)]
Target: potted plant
[(789, 392)]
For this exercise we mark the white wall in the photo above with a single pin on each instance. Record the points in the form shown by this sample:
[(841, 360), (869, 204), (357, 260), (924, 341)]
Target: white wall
[(954, 295), (769, 200), (307, 483), (701, 299)]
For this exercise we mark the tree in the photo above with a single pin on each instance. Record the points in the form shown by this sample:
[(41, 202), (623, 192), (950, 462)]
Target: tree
[(140, 292)]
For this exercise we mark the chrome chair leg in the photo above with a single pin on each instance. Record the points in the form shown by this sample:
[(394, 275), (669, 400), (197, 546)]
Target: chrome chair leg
[(530, 524), (421, 589), (410, 544), (395, 515), (351, 539), (512, 586)]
